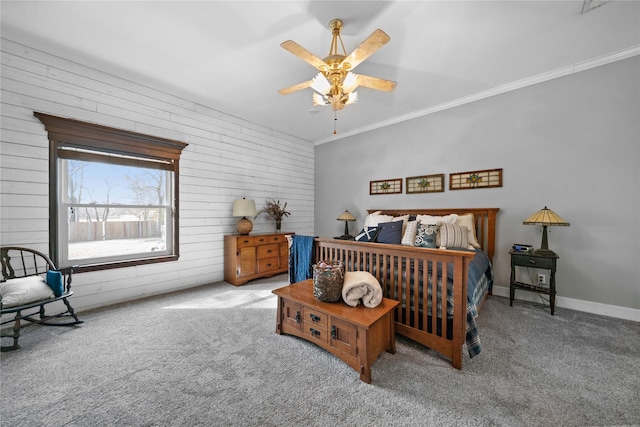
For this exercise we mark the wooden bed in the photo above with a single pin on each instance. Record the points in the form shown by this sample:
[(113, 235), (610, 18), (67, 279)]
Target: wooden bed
[(404, 272)]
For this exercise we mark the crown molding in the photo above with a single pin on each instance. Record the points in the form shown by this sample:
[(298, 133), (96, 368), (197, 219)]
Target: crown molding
[(518, 84)]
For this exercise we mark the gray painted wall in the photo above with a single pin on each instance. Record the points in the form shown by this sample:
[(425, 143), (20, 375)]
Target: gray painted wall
[(572, 143)]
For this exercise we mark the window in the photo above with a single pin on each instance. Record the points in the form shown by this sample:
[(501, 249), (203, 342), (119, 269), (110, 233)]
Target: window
[(113, 195)]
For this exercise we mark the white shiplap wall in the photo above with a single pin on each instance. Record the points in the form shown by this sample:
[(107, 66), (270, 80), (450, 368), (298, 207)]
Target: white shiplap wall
[(227, 158)]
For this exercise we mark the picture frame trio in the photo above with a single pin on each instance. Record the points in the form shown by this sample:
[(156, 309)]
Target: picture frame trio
[(488, 178)]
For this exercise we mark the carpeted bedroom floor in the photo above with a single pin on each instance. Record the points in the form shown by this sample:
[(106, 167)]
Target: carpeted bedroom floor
[(210, 357)]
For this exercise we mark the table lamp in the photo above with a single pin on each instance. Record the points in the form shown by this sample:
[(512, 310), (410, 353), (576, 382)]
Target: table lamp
[(346, 217), (545, 217), (244, 208)]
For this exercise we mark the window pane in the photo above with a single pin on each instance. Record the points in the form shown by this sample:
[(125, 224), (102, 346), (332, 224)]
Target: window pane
[(93, 182), (113, 212)]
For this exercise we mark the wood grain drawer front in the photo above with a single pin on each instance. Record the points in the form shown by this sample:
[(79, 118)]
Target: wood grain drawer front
[(278, 238), (291, 314), (344, 336), (244, 241), (316, 317), (268, 251), (315, 332), (267, 264), (535, 262), (262, 240)]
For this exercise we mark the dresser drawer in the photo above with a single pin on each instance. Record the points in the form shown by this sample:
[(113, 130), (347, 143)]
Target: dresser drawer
[(268, 251), (244, 241), (316, 317), (278, 238), (267, 264), (535, 262), (315, 332), (262, 240)]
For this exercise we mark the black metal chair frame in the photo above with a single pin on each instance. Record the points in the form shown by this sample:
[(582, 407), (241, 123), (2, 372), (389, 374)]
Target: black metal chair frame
[(23, 262)]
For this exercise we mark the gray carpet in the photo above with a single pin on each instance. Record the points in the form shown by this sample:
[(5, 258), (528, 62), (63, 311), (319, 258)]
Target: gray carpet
[(210, 357)]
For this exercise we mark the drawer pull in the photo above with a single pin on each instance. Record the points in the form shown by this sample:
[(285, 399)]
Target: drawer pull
[(269, 265), (269, 251), (314, 332), (297, 316), (245, 241), (532, 261), (334, 332), (314, 317)]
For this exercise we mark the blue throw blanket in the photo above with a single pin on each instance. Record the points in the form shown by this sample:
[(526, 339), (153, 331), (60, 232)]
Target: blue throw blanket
[(300, 258)]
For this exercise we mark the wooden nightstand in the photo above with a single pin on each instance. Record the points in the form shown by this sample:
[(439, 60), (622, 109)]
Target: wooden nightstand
[(533, 260)]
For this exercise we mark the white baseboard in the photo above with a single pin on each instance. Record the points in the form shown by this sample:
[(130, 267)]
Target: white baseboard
[(576, 304)]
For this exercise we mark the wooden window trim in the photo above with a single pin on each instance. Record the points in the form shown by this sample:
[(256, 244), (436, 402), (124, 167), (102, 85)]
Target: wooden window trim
[(69, 133)]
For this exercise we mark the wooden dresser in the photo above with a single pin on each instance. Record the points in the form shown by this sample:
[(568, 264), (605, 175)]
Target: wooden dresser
[(254, 256)]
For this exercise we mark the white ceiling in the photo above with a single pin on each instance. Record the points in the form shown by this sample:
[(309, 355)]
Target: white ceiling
[(227, 54)]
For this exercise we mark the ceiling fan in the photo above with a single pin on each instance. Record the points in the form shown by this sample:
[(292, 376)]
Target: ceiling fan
[(335, 84)]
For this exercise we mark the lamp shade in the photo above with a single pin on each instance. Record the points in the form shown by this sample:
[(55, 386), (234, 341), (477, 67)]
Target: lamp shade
[(244, 207), (545, 217), (346, 216)]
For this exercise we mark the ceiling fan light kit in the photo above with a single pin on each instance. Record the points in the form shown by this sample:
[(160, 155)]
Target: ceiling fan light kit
[(336, 84)]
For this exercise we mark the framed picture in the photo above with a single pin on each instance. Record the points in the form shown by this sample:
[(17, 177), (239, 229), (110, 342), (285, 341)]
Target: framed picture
[(475, 179), (387, 186), (425, 184)]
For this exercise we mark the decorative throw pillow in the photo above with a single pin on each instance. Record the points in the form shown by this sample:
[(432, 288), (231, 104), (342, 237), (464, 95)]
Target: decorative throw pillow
[(409, 235), (426, 235), (404, 219), (367, 234), (24, 290), (375, 218), (54, 280), (453, 236), (468, 220), (390, 232), (433, 220)]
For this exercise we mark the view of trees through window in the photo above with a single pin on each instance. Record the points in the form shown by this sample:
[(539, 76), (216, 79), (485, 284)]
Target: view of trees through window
[(114, 210)]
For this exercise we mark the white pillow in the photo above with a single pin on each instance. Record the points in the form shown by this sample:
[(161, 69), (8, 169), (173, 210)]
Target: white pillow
[(434, 220), (24, 290), (468, 220), (409, 235), (375, 218)]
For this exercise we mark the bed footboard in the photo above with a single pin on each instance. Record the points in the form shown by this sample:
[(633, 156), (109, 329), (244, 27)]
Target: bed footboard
[(429, 313)]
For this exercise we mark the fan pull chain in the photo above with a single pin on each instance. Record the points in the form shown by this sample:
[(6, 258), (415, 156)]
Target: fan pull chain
[(335, 119)]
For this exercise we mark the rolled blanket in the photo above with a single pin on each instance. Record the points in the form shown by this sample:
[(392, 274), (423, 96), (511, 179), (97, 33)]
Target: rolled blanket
[(361, 285)]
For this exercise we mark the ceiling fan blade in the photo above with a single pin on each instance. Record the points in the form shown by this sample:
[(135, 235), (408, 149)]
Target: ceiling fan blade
[(303, 53), (376, 83), (375, 41), (295, 88)]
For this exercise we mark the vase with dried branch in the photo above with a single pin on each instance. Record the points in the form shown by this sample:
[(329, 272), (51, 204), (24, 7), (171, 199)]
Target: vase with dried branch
[(275, 211)]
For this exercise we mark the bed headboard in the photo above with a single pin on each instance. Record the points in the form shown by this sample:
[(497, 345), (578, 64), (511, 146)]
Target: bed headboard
[(485, 219)]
